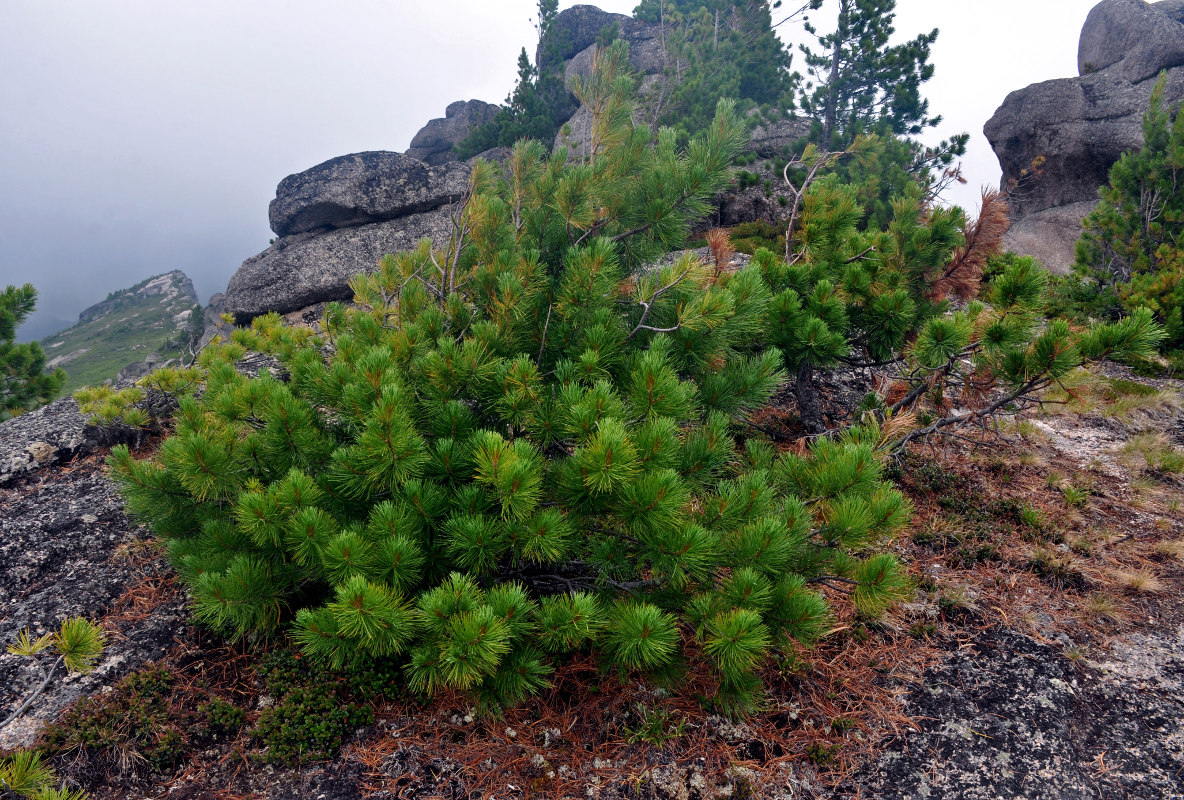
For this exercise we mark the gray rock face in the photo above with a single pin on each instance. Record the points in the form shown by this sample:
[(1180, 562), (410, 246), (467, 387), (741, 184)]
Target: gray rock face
[(212, 323), (573, 30), (433, 144), (362, 188), (1050, 235), (338, 219), (576, 135), (50, 436), (1080, 126), (771, 140), (645, 49), (298, 271), (645, 58), (1144, 38)]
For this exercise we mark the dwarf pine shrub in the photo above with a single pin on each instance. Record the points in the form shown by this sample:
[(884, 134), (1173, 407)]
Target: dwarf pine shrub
[(520, 446)]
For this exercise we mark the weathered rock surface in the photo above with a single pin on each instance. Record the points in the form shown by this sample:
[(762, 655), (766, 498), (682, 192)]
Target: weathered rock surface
[(298, 271), (576, 135), (577, 28), (362, 188), (645, 48), (67, 549), (774, 138), (573, 30), (434, 142), (1080, 126), (50, 436), (1011, 717), (1143, 38), (1050, 235), (212, 322)]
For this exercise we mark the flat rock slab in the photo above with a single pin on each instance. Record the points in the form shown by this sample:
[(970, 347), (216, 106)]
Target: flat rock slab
[(1010, 717), (68, 550), (299, 271), (362, 188), (50, 436)]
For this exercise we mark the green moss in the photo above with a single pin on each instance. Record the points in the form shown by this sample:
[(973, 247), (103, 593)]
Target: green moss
[(823, 755), (309, 724)]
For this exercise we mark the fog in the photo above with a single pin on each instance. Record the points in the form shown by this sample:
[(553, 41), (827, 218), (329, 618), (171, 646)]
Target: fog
[(139, 136)]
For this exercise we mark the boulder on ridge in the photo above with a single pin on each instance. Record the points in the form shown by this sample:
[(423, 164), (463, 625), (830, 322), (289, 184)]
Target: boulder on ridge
[(573, 30), (434, 142), (362, 188), (298, 271), (1057, 140), (1143, 38)]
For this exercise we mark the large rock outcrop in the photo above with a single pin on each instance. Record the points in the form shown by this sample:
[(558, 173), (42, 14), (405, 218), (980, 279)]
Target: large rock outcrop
[(577, 29), (574, 30), (1074, 129), (434, 142), (338, 219), (362, 188), (301, 270)]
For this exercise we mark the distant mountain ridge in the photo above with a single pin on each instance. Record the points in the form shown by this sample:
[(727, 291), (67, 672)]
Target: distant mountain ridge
[(131, 331)]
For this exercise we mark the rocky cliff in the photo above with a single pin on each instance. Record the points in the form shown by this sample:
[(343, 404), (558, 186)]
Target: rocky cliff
[(1057, 140)]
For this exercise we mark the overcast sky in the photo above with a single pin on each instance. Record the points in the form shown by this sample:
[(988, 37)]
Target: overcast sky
[(140, 136)]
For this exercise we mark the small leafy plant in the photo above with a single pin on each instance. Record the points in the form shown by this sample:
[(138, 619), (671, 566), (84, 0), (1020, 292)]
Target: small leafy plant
[(78, 644), (654, 725)]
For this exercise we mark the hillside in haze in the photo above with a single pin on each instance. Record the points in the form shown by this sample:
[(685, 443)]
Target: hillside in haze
[(151, 321)]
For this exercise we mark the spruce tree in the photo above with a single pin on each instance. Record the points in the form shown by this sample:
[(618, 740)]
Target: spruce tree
[(1132, 246), (523, 445), (24, 383)]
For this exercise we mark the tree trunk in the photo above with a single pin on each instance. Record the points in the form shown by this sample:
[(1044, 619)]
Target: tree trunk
[(831, 114), (809, 407)]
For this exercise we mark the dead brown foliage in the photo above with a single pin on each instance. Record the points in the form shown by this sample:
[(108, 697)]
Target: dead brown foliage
[(982, 239), (719, 240)]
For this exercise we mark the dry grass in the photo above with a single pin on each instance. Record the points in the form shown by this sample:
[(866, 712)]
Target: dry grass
[(1152, 452), (1138, 581), (1106, 607), (1170, 548)]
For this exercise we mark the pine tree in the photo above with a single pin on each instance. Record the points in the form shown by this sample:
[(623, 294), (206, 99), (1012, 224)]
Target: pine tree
[(539, 102), (1132, 246), (849, 291), (24, 383), (714, 49), (858, 80), (524, 445), (1005, 353)]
